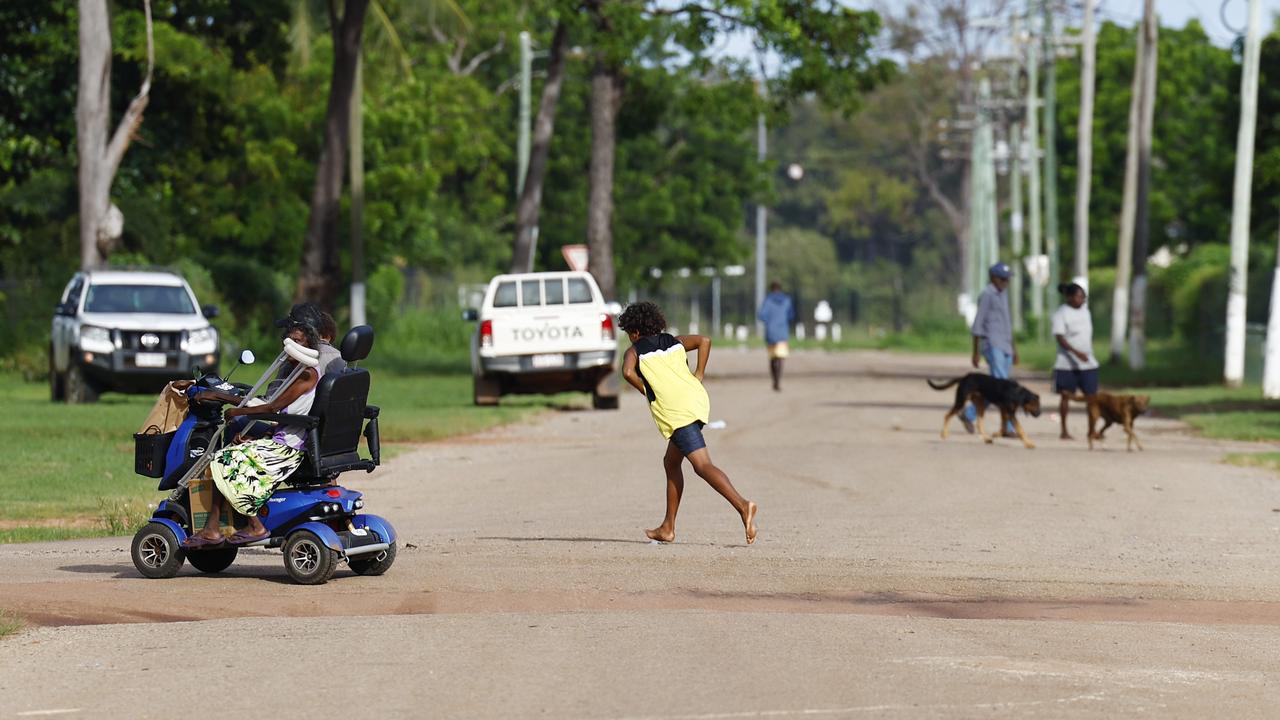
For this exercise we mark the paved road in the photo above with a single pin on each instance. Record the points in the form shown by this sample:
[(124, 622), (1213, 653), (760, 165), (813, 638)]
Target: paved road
[(896, 576)]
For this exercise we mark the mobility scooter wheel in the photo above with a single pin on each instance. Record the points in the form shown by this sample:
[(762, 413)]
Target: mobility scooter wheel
[(156, 551), (375, 563), (308, 560), (213, 561)]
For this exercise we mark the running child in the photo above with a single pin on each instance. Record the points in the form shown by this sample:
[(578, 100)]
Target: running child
[(657, 365)]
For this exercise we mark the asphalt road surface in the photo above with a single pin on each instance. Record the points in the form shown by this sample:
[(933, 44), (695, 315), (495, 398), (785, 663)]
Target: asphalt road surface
[(897, 575)]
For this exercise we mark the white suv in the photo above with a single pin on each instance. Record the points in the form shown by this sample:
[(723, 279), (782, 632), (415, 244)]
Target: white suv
[(127, 331), (544, 332)]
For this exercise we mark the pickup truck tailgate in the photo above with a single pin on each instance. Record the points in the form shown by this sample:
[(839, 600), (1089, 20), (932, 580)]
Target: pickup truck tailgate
[(562, 330)]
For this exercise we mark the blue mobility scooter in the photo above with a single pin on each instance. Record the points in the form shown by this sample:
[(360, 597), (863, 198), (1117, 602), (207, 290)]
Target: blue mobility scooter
[(318, 523)]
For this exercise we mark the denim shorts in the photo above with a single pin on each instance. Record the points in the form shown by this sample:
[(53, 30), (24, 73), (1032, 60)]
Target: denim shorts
[(689, 438), (1069, 381)]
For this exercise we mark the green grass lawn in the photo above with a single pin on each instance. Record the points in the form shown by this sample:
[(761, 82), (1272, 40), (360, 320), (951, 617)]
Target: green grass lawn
[(69, 468)]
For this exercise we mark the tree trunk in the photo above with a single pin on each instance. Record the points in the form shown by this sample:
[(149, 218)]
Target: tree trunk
[(530, 203), (93, 110), (606, 94), (320, 279), (99, 158)]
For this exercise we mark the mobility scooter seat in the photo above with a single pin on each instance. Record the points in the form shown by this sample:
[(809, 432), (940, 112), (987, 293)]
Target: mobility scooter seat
[(337, 418)]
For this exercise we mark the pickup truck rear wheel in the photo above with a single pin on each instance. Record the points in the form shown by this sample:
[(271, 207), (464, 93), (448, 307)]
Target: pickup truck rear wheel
[(486, 390), (57, 381), (79, 388)]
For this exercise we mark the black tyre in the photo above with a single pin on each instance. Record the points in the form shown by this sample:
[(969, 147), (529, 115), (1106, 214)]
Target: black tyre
[(374, 563), (57, 381), (79, 388), (604, 402), (308, 560), (156, 551), (213, 561), (486, 390)]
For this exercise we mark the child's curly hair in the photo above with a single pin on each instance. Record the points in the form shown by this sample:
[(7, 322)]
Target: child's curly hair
[(643, 318)]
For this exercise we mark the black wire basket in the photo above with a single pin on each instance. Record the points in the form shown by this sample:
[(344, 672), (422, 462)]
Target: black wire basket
[(149, 449)]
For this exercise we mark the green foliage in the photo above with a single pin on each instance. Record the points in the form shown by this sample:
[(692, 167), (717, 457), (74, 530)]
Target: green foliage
[(804, 259), (1193, 147)]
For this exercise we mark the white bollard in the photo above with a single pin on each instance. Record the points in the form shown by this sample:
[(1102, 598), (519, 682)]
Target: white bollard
[(673, 330), (742, 333), (693, 328), (728, 330), (820, 332), (799, 331), (836, 332)]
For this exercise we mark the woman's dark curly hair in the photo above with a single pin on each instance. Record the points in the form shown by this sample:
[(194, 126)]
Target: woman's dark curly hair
[(312, 338), (643, 318)]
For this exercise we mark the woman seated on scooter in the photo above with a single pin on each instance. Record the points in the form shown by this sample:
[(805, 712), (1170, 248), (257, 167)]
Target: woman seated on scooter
[(248, 472)]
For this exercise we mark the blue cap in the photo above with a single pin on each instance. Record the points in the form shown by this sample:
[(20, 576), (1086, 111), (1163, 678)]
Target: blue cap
[(1001, 270)]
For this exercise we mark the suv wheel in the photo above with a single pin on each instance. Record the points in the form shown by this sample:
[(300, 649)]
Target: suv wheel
[(57, 381), (79, 388)]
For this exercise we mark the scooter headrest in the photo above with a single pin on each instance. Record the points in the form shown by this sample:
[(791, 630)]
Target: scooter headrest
[(301, 353), (357, 344)]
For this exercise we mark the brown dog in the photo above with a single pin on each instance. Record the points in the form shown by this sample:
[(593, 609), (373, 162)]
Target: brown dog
[(1116, 409)]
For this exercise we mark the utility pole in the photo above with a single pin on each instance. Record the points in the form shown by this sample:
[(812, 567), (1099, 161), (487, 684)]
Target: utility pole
[(1084, 153), (1124, 247), (1015, 222), (522, 132), (355, 158), (761, 215), (1271, 364), (1032, 145), (1233, 371), (1142, 211), (1050, 157), (983, 230)]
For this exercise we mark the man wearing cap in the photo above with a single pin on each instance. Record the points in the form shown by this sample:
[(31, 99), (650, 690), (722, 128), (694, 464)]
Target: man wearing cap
[(993, 334)]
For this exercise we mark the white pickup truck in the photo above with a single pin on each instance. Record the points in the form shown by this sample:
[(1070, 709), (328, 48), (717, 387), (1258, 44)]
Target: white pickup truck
[(545, 332)]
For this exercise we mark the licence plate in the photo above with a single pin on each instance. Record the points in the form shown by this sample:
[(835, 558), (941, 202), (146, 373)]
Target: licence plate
[(149, 360), (554, 360)]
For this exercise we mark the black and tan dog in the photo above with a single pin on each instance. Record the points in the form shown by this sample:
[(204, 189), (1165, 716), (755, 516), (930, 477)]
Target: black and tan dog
[(983, 390), (1116, 409)]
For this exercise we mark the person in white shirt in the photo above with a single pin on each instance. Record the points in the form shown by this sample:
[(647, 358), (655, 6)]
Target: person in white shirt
[(1076, 368)]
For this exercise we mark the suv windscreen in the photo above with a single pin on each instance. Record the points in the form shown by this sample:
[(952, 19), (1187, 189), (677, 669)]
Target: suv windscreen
[(164, 299)]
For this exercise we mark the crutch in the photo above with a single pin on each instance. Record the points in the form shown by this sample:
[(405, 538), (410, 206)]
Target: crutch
[(305, 358)]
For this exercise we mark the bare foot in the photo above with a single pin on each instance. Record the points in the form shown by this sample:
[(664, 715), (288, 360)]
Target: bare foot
[(1065, 436), (661, 534), (749, 522)]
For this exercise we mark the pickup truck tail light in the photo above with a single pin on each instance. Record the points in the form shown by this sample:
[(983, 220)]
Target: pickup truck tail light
[(606, 327), (486, 333)]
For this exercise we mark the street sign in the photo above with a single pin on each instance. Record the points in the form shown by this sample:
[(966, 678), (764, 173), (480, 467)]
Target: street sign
[(575, 256)]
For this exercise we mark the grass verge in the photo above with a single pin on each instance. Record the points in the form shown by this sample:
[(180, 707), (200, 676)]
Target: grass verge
[(69, 468), (1268, 460)]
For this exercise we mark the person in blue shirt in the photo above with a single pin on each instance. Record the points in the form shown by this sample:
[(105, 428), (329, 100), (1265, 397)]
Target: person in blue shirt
[(993, 335), (778, 313)]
